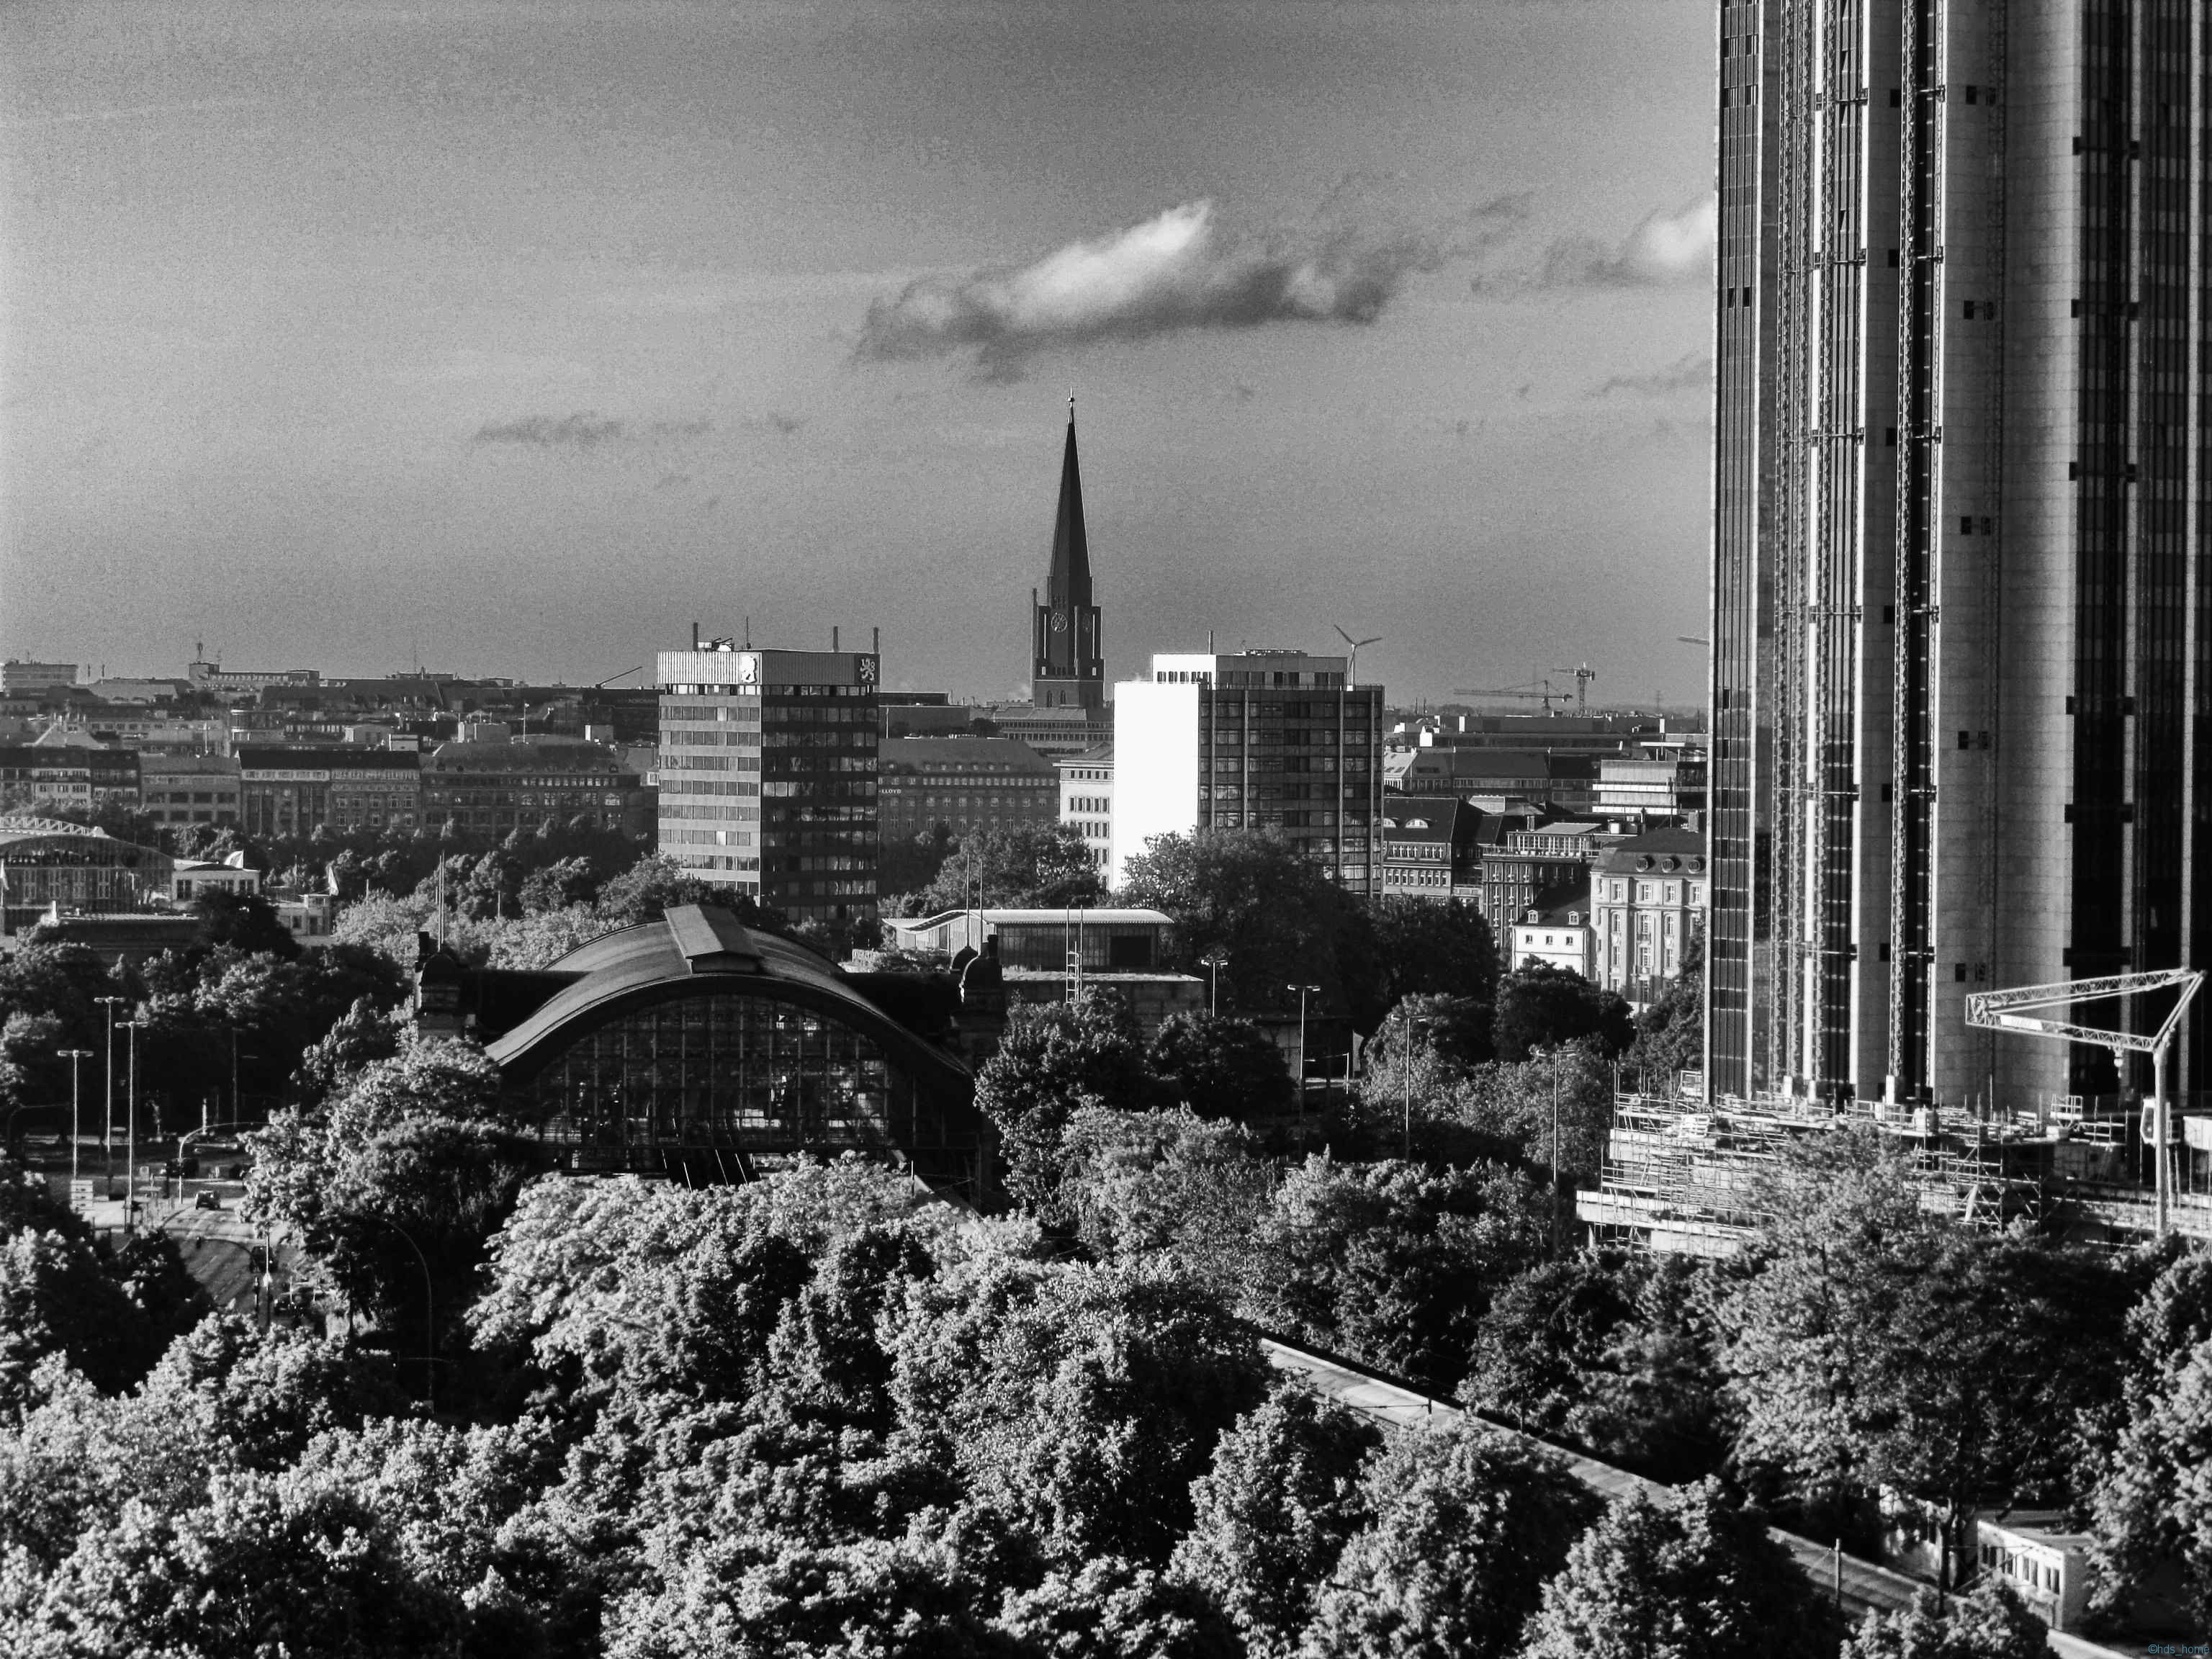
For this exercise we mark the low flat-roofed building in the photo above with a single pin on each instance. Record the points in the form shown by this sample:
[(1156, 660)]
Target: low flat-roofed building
[(2045, 1562), (1105, 938), (194, 879)]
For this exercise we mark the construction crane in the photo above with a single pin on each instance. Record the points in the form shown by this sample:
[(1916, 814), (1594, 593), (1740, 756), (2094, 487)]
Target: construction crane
[(1534, 691), (2006, 1011), (1583, 674)]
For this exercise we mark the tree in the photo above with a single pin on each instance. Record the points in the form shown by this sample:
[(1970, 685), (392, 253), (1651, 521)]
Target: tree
[(1554, 1109), (1024, 865), (1540, 1007), (1467, 1526), (1283, 922), (909, 867), (1435, 949), (556, 886), (1053, 1058), (1697, 1578), (2152, 1502), (1219, 1065), (242, 922), (1165, 1185), (1078, 1404), (1869, 1344), (1274, 1513), (1391, 1263), (1992, 1623), (1113, 1609), (1670, 1034), (652, 886)]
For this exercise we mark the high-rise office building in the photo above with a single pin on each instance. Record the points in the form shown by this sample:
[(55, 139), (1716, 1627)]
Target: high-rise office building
[(1256, 740), (1960, 640), (1068, 660), (767, 775)]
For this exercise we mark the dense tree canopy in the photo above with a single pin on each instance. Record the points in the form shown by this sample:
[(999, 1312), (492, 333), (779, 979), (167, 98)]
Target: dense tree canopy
[(1539, 1006), (1024, 865)]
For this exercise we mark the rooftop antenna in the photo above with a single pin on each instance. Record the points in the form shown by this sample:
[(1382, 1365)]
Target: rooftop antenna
[(749, 633), (833, 636)]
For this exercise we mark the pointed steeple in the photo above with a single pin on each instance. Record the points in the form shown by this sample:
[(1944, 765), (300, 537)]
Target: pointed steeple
[(1068, 586)]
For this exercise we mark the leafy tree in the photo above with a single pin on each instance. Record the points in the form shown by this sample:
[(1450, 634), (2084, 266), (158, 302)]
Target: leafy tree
[(1274, 1513), (1564, 1092), (1219, 1065), (556, 886), (2152, 1501), (55, 1299), (1467, 1526), (1077, 1405), (1698, 1578), (1539, 1006), (1391, 1263), (1115, 1608), (266, 1565), (1282, 922), (1024, 865), (1166, 1185), (1992, 1623), (653, 886), (30, 1070), (242, 922), (910, 867), (1867, 1344), (1670, 1033), (1054, 1058), (1435, 949)]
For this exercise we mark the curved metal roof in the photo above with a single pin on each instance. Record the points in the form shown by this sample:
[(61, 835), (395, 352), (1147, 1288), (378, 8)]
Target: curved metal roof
[(702, 947)]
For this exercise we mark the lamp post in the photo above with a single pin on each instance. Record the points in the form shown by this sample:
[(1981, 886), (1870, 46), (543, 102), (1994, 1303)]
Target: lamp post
[(1215, 959), (75, 1056), (429, 1314), (131, 1134), (1405, 1134), (108, 1113), (1303, 991)]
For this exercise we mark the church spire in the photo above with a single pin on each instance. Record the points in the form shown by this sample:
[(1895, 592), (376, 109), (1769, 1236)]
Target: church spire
[(1068, 586), (1070, 670)]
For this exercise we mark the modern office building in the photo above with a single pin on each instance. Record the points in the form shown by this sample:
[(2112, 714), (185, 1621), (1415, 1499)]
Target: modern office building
[(1069, 662), (1252, 739), (1959, 639), (1086, 799), (767, 775), (965, 783), (18, 675)]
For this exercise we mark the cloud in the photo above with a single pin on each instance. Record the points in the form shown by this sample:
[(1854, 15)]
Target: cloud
[(584, 431), (587, 430), (1178, 271), (1668, 246), (1690, 372), (777, 422)]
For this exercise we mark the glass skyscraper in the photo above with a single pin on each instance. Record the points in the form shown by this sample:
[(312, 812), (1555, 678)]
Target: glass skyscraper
[(1959, 630)]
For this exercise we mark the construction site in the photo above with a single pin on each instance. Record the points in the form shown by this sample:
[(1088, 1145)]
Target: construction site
[(1686, 1175)]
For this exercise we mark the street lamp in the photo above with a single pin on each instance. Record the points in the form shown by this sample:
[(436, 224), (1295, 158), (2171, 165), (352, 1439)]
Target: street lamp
[(131, 1134), (1216, 959), (1303, 991), (108, 1114), (430, 1313), (76, 1102), (1413, 1022)]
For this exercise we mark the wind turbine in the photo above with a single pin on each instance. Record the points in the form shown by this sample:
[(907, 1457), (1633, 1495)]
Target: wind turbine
[(1352, 668)]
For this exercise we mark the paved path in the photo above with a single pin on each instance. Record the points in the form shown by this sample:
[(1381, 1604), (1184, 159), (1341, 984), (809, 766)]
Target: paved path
[(1865, 1586)]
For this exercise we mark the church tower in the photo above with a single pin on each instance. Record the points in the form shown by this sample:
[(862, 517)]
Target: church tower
[(1069, 665)]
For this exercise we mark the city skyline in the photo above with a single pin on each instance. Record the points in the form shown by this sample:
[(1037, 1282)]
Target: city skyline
[(425, 319)]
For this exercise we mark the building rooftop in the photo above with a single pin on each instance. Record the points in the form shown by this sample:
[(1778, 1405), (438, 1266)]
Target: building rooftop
[(1093, 917), (1099, 754), (1657, 849), (998, 754)]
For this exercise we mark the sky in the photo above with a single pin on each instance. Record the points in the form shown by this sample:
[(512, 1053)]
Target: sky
[(514, 339)]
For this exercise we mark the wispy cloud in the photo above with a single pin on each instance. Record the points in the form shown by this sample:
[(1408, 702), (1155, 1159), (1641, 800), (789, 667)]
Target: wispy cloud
[(1180, 270), (1669, 246), (580, 431), (587, 430), (1692, 372)]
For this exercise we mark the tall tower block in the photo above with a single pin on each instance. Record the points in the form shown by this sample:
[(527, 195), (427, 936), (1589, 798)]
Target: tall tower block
[(1068, 663)]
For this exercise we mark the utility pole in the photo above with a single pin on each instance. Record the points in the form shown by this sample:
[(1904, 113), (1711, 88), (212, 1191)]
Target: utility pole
[(1215, 959), (1405, 1070)]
